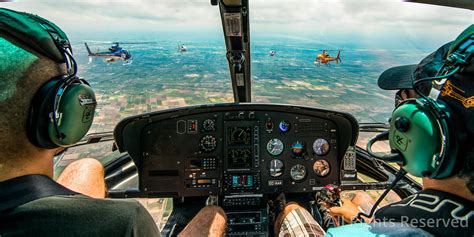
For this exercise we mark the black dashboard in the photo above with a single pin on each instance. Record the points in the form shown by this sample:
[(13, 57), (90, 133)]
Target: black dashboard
[(237, 149)]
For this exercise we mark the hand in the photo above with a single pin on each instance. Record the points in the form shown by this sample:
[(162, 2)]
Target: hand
[(348, 210)]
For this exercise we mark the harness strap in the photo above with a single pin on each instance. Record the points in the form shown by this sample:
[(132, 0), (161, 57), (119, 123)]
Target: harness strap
[(21, 190)]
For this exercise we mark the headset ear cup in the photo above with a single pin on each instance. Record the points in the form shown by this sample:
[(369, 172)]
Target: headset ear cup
[(415, 133), (76, 111), (75, 114), (39, 120), (453, 135)]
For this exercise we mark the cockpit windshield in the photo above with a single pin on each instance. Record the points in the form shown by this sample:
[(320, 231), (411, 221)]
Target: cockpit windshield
[(175, 53), (152, 55)]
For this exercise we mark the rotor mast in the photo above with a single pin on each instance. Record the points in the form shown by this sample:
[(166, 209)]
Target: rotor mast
[(236, 27)]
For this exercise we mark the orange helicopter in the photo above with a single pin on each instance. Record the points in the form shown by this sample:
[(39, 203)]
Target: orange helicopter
[(324, 58)]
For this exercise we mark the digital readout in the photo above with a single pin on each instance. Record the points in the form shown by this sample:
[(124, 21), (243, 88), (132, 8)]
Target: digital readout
[(242, 181), (239, 158), (239, 136)]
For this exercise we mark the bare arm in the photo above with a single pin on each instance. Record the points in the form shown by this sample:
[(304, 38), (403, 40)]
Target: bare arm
[(210, 221)]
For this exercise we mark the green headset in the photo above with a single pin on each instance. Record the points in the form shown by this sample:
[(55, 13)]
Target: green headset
[(424, 133), (63, 109)]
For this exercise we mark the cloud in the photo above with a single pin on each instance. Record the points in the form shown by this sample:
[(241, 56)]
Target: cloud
[(322, 18)]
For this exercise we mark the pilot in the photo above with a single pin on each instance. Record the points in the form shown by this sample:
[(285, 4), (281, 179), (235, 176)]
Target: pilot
[(33, 67), (445, 205), (325, 53)]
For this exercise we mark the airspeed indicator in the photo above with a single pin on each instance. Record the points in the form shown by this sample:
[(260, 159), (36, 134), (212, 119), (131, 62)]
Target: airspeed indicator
[(275, 147)]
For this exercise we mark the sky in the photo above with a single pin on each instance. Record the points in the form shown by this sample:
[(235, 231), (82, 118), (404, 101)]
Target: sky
[(336, 21)]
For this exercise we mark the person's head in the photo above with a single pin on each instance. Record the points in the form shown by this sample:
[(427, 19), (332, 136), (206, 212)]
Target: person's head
[(455, 122), (37, 86), (22, 73)]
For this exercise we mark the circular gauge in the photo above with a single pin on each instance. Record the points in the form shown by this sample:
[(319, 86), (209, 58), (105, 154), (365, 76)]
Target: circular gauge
[(276, 168), (208, 143), (321, 168), (321, 147), (275, 147), (298, 149), (209, 125), (284, 126), (240, 135), (298, 172)]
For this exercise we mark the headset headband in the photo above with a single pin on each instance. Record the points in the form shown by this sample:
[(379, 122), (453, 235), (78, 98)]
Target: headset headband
[(33, 33)]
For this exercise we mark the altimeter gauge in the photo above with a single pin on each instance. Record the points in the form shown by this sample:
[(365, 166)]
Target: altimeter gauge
[(321, 147), (298, 172)]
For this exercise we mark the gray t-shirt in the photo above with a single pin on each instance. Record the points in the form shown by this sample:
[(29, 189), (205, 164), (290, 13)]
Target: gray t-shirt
[(78, 216)]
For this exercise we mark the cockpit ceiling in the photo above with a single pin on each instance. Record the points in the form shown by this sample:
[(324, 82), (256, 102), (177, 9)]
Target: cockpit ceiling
[(466, 4)]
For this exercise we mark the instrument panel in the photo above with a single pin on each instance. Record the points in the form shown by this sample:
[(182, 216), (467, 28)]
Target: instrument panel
[(236, 149)]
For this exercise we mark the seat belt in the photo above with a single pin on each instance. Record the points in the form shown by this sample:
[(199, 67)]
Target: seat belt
[(21, 190)]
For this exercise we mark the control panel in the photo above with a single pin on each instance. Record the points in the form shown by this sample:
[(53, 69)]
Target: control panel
[(237, 149)]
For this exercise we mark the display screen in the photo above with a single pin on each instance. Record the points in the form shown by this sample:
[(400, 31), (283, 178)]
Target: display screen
[(239, 136), (242, 181), (239, 158), (203, 181), (195, 164)]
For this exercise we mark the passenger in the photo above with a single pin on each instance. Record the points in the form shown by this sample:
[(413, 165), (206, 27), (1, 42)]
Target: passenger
[(31, 203), (445, 207)]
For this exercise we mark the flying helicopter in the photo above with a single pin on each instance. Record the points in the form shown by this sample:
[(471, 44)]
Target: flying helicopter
[(182, 48), (114, 53), (325, 58)]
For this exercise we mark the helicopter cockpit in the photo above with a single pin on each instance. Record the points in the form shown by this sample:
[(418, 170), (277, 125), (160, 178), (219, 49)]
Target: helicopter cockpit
[(240, 155)]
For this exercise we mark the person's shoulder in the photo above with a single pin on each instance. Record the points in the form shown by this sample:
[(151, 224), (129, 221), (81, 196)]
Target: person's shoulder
[(85, 203), (75, 214)]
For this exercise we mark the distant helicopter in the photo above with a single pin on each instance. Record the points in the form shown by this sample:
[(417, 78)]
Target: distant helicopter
[(324, 58), (182, 48), (115, 53)]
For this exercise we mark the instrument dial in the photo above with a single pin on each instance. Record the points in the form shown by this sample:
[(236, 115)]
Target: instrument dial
[(321, 147), (241, 136), (321, 168), (275, 147), (209, 125), (276, 168), (208, 143), (284, 126), (298, 172), (298, 149)]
